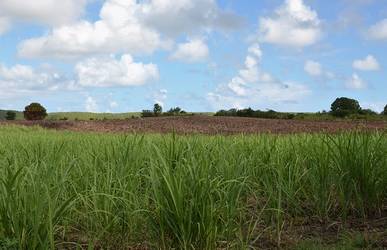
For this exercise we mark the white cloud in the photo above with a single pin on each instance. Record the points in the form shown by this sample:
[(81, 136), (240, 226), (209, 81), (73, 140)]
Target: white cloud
[(378, 31), (355, 82), (113, 104), (108, 72), (193, 51), (85, 38), (91, 105), (24, 80), (160, 96), (253, 86), (129, 26), (49, 12), (174, 17), (294, 24), (367, 64), (4, 24), (313, 68)]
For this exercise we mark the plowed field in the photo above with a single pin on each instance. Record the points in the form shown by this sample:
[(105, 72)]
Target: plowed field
[(207, 125)]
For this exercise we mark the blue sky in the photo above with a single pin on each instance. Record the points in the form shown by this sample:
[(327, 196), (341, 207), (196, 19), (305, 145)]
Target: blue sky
[(201, 55)]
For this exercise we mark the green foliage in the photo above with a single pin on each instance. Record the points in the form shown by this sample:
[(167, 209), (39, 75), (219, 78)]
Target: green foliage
[(3, 114), (35, 111), (367, 112), (157, 109), (175, 112), (63, 190), (11, 115), (344, 106), (270, 114), (147, 113), (385, 110)]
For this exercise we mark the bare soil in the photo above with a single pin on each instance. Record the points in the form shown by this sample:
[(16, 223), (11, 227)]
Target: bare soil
[(206, 125)]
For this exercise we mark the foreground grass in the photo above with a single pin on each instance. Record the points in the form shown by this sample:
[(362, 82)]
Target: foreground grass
[(69, 190)]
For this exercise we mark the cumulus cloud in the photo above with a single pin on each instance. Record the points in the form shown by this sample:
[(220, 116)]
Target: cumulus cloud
[(294, 24), (253, 86), (91, 105), (110, 72), (355, 82), (175, 17), (367, 64), (160, 96), (193, 51), (313, 68), (23, 80), (316, 70), (48, 12), (378, 31), (130, 26)]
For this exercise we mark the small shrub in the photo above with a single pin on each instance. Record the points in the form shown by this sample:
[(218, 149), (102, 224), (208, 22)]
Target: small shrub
[(367, 112), (147, 113), (10, 115), (290, 116), (175, 112), (34, 111)]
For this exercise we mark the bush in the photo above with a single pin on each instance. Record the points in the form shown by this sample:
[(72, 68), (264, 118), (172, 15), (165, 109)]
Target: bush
[(147, 113), (34, 111), (175, 112), (344, 106), (157, 109), (367, 112), (10, 115)]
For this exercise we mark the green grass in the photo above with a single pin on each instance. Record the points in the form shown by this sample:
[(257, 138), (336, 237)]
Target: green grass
[(66, 189)]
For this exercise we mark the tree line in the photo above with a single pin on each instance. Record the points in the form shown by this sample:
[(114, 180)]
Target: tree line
[(158, 111), (342, 107)]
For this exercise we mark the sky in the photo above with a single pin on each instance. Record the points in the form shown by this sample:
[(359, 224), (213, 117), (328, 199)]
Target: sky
[(200, 55)]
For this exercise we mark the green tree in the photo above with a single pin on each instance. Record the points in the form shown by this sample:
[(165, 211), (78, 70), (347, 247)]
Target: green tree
[(10, 115), (157, 109), (344, 106), (35, 111), (385, 110)]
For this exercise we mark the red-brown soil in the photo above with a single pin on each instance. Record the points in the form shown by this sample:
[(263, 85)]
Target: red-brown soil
[(206, 125)]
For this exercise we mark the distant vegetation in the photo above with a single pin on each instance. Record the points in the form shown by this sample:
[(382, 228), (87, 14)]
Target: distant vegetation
[(342, 107), (10, 115), (3, 114), (35, 111), (88, 116), (158, 111)]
